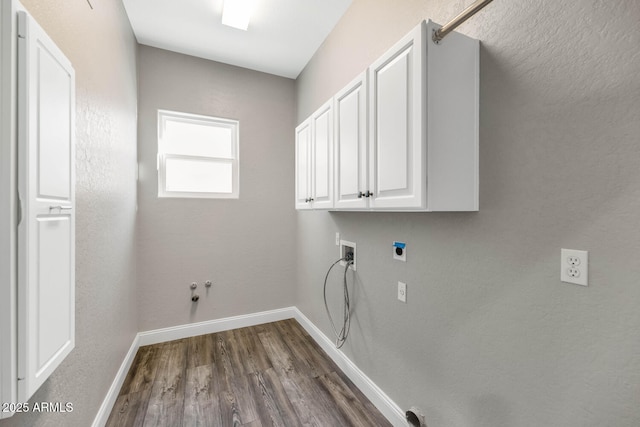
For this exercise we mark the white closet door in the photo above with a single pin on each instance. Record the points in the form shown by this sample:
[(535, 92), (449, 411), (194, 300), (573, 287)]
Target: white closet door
[(46, 181)]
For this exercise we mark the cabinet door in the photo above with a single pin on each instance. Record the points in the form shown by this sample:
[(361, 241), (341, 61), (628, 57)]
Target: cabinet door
[(322, 157), (351, 181), (303, 165), (397, 131), (46, 181)]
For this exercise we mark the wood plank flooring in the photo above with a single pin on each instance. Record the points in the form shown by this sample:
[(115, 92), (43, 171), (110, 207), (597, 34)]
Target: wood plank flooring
[(267, 375)]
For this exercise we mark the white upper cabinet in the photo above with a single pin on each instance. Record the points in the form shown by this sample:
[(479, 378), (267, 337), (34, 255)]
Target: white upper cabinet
[(397, 131), (423, 131), (303, 165), (351, 180), (406, 130), (314, 160), (322, 157)]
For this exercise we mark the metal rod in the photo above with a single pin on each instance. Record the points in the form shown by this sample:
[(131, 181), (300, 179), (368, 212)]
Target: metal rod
[(463, 16)]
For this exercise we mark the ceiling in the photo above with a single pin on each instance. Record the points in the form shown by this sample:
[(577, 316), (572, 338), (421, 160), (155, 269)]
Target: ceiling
[(282, 37)]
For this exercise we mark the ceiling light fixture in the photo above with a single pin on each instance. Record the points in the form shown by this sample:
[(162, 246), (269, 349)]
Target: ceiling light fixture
[(236, 13)]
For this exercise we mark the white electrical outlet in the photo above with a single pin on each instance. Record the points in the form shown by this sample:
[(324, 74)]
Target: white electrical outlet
[(402, 291), (574, 266)]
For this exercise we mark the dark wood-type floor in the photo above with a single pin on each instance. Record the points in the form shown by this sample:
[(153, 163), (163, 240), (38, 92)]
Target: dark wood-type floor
[(266, 375)]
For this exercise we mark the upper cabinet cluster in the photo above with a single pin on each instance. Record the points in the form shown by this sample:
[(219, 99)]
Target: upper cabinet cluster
[(402, 136)]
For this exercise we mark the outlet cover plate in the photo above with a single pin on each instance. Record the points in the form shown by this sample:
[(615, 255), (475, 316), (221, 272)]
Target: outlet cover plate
[(574, 266)]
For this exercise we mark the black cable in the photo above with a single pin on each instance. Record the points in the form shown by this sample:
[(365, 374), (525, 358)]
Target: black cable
[(341, 336)]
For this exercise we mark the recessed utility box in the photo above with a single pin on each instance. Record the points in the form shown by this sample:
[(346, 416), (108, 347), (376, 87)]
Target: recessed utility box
[(347, 247)]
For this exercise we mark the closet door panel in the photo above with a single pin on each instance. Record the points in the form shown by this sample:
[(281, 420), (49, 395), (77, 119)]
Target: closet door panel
[(46, 182)]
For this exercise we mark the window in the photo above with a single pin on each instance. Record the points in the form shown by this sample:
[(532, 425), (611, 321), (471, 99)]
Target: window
[(197, 156)]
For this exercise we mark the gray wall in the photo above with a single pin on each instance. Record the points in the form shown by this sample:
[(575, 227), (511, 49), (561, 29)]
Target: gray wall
[(490, 336), (101, 46), (244, 246)]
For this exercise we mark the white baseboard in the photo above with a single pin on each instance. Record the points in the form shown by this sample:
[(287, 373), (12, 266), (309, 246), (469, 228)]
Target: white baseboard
[(107, 404), (379, 399), (212, 326)]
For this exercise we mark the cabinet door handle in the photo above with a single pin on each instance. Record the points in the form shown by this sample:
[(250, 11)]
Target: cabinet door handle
[(368, 194), (360, 194)]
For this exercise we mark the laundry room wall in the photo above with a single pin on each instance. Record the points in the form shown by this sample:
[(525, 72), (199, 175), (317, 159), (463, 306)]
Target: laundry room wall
[(245, 246), (489, 335)]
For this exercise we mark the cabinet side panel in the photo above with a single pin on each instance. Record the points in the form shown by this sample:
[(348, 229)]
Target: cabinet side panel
[(452, 103)]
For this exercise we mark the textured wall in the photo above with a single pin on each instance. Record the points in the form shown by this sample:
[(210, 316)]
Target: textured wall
[(244, 246), (101, 46), (490, 336)]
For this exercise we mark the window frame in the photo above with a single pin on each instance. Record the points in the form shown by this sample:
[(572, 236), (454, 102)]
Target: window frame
[(163, 155)]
